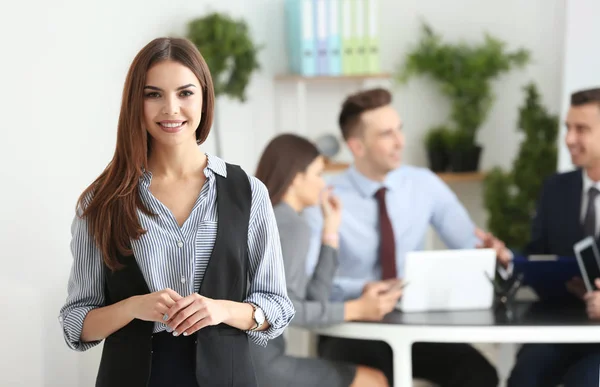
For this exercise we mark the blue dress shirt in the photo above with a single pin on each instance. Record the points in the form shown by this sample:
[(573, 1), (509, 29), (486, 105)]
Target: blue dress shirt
[(415, 198)]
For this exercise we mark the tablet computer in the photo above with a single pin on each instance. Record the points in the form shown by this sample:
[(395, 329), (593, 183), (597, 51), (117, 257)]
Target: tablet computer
[(586, 253)]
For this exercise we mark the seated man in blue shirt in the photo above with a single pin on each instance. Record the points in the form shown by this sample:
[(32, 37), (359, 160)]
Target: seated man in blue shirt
[(387, 209), (566, 213)]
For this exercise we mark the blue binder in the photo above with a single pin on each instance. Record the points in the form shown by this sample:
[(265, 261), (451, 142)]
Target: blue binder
[(301, 42), (334, 41), (548, 275)]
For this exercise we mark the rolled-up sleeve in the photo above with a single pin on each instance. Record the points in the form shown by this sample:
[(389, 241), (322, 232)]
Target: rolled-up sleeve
[(267, 275), (85, 289)]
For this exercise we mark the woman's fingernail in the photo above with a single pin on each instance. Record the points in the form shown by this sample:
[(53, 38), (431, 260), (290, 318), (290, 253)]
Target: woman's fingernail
[(185, 333), (165, 317), (175, 333)]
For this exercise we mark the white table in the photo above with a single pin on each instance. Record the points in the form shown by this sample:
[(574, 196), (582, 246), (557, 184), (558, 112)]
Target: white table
[(532, 323)]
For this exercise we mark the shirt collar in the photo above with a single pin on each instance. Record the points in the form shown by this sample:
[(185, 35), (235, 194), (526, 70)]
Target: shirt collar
[(214, 165), (588, 183), (366, 186)]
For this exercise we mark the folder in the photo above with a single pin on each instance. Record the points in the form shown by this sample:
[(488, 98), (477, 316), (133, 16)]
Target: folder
[(547, 275), (321, 34), (347, 33), (292, 48), (334, 40), (301, 36), (359, 40), (372, 54)]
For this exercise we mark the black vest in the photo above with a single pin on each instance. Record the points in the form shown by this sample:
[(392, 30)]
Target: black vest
[(222, 352)]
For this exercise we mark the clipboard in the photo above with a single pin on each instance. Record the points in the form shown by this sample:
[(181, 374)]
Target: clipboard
[(547, 275)]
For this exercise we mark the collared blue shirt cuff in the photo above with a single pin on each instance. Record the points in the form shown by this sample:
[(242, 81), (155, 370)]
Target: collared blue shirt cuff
[(72, 325)]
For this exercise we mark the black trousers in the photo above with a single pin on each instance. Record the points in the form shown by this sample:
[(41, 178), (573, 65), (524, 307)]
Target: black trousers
[(173, 361), (447, 365), (542, 365)]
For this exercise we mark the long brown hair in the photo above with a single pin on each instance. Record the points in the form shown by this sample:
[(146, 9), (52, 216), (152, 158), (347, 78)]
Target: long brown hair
[(111, 202), (282, 159)]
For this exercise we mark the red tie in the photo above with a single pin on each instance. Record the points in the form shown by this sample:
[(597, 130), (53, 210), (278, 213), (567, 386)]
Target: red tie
[(387, 248)]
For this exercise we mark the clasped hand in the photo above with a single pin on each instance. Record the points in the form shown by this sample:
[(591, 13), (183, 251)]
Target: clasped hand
[(592, 302), (183, 315), (592, 299)]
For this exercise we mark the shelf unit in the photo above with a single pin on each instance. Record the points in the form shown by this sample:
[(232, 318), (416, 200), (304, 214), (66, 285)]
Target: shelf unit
[(330, 78), (301, 84)]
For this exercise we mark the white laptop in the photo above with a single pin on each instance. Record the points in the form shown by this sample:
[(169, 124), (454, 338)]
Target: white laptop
[(443, 280)]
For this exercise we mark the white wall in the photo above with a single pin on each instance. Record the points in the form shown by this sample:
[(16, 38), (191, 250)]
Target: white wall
[(63, 64), (581, 61)]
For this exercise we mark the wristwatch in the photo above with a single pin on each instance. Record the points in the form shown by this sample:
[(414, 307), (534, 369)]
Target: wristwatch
[(259, 317)]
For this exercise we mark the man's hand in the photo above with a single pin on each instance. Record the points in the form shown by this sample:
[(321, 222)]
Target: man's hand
[(489, 241), (592, 302)]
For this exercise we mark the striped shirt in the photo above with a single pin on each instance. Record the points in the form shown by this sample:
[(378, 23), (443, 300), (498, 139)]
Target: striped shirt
[(176, 257)]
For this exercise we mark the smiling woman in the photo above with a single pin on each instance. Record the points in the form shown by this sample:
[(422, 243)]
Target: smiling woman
[(158, 103), (173, 279)]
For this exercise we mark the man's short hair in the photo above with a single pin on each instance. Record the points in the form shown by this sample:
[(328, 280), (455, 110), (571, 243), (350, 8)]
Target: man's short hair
[(584, 97), (358, 103)]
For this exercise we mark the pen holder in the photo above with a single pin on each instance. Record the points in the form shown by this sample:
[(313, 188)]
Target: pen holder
[(505, 291)]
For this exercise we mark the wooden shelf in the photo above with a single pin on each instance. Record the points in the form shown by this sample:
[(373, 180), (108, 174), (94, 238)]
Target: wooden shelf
[(332, 78), (448, 177), (461, 177), (332, 166)]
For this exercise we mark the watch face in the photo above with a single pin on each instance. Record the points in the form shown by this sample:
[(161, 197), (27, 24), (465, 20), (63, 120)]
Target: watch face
[(259, 316)]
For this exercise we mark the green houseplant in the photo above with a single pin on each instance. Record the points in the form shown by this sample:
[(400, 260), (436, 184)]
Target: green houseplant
[(230, 53), (464, 73), (436, 142), (511, 197)]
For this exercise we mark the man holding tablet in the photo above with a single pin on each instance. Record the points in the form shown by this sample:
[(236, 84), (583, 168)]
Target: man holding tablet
[(568, 211)]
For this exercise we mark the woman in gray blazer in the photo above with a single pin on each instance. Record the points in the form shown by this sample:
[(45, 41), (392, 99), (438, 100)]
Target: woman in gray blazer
[(291, 169)]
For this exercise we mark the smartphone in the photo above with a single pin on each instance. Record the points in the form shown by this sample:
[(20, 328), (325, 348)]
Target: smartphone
[(398, 286), (588, 259)]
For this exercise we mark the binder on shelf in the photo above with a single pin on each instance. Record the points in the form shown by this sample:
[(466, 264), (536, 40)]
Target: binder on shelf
[(334, 40), (359, 41), (347, 33), (321, 34), (291, 47), (300, 20), (373, 56)]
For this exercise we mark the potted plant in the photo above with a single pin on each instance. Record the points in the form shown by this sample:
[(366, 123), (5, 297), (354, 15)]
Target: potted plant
[(464, 73), (437, 146), (230, 53), (511, 197), (464, 153)]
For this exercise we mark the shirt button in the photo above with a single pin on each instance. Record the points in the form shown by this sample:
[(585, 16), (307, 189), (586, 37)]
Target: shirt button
[(180, 243), (182, 279)]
